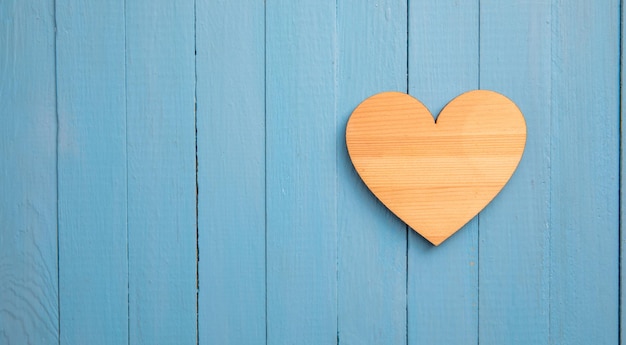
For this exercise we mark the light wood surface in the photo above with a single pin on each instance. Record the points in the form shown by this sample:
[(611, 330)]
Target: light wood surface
[(436, 176)]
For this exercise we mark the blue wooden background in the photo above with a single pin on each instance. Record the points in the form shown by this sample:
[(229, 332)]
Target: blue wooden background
[(175, 172)]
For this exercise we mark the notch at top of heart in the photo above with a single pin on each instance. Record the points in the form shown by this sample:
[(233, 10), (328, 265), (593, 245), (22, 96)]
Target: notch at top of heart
[(436, 176)]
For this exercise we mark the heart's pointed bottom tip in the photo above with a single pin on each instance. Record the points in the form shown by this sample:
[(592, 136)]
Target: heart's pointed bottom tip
[(436, 241)]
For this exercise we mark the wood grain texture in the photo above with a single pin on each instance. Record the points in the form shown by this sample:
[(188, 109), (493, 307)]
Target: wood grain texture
[(301, 172), (514, 228), (436, 176), (161, 172), (93, 262), (622, 178), (371, 292), (442, 282), (547, 270), (231, 171), (28, 208), (584, 237)]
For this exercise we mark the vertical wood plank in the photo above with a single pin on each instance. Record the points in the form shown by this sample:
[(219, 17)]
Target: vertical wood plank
[(301, 173), (442, 291), (93, 263), (622, 255), (161, 171), (371, 240), (585, 182), (514, 229), (231, 171), (28, 209)]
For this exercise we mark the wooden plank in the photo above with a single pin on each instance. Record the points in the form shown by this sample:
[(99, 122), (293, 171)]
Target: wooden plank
[(584, 236), (514, 228), (442, 290), (161, 172), (436, 176), (371, 241), (93, 264), (301, 173), (231, 171), (622, 255), (28, 209)]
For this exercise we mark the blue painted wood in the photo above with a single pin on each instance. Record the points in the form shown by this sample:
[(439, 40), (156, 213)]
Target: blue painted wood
[(442, 300), (93, 264), (160, 83), (301, 172), (584, 173), (231, 171), (371, 240), (548, 266), (28, 197), (622, 267), (514, 229)]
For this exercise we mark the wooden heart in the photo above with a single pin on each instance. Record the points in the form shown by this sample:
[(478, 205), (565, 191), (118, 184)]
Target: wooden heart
[(436, 176)]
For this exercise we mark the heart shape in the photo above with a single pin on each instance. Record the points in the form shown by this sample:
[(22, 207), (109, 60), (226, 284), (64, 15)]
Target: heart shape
[(436, 176)]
